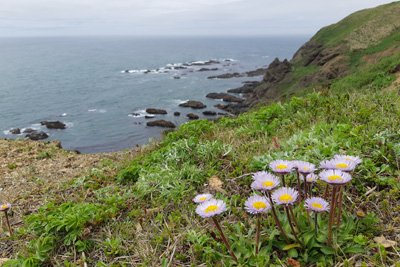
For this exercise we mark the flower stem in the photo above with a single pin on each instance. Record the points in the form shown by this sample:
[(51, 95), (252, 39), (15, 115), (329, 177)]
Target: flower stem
[(291, 226), (340, 205), (224, 239), (294, 218), (8, 222), (332, 215), (258, 232), (305, 193), (316, 223), (299, 186), (283, 180), (276, 218), (326, 192)]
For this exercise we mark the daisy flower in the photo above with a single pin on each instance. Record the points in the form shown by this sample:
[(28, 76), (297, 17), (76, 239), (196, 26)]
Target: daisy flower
[(325, 164), (285, 196), (266, 182), (281, 166), (5, 207), (355, 159), (257, 175), (211, 208), (311, 178), (335, 177), (304, 167), (316, 204), (339, 164), (257, 204), (202, 198)]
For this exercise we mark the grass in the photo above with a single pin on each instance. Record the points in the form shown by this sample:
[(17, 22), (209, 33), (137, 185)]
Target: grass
[(141, 213)]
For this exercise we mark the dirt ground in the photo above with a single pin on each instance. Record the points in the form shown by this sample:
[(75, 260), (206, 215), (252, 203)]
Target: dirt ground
[(30, 168)]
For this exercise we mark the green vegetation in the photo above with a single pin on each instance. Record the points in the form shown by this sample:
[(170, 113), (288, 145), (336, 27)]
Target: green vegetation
[(142, 213)]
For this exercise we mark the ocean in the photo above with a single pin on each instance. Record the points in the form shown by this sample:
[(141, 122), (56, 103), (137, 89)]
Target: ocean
[(100, 87)]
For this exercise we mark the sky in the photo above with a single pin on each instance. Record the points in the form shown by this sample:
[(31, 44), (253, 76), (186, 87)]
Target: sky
[(173, 17)]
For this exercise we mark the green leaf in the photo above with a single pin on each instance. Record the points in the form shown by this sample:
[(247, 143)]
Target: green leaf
[(354, 249), (327, 250), (291, 246), (293, 253)]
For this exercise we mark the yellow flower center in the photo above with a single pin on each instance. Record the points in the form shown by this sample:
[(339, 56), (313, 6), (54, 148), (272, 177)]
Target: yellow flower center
[(316, 205), (341, 165), (285, 198), (281, 167), (305, 168), (334, 177), (203, 198), (310, 179), (259, 205), (4, 207), (211, 208), (348, 159), (268, 183)]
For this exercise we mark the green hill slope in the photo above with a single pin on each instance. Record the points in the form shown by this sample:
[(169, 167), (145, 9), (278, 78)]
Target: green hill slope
[(142, 213)]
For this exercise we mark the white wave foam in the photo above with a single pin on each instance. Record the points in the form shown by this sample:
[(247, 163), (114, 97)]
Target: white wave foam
[(64, 114), (69, 124), (138, 113), (92, 110)]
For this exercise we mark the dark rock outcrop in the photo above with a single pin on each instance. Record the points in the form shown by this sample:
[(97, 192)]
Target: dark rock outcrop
[(225, 97), (53, 124), (277, 71), (192, 116), (161, 123), (247, 88), (37, 135), (156, 111), (176, 113), (209, 113), (149, 116), (193, 104), (207, 69), (28, 130), (15, 131), (227, 75)]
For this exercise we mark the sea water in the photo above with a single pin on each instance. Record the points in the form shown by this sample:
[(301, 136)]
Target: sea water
[(100, 87)]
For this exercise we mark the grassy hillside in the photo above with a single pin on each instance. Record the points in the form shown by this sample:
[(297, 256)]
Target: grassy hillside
[(136, 208), (143, 214)]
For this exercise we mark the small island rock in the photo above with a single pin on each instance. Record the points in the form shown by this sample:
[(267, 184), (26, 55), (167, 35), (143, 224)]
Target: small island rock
[(15, 131), (37, 135), (53, 124), (192, 116), (156, 111), (161, 123), (193, 104)]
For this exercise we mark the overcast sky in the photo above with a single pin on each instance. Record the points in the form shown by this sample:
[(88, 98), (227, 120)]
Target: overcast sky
[(173, 17)]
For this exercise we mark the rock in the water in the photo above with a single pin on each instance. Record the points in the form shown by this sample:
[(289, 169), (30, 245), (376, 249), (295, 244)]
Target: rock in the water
[(193, 104), (247, 88), (15, 131), (177, 77), (176, 113), (192, 116), (225, 97), (53, 124), (208, 69), (156, 111), (161, 123), (37, 135), (28, 130), (228, 75), (209, 113), (149, 116)]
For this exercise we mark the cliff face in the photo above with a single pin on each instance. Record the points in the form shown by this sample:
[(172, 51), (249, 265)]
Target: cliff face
[(330, 54)]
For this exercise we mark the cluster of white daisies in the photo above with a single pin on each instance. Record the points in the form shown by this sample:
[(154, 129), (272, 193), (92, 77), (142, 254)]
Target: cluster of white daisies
[(335, 172)]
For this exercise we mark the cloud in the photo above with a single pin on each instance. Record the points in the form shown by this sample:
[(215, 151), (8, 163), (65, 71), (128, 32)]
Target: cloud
[(195, 17)]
